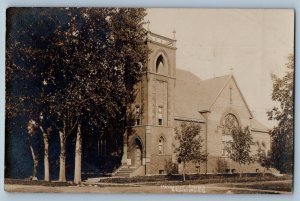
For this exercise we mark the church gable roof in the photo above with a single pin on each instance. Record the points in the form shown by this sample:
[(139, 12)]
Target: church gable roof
[(215, 87), (210, 90), (193, 95)]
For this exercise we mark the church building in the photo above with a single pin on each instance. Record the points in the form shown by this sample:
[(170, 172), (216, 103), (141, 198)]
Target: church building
[(168, 96)]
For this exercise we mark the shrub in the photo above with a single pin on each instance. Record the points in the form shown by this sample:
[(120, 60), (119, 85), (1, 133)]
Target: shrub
[(170, 167), (221, 165)]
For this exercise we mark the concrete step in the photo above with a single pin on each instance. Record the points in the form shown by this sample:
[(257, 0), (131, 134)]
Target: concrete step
[(125, 171), (128, 172), (122, 173)]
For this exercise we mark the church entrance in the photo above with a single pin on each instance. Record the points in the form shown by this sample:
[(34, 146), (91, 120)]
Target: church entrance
[(136, 156)]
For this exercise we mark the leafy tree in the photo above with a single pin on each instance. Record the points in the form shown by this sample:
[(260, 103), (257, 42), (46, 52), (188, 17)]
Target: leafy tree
[(190, 144), (28, 57), (283, 113), (262, 158), (75, 66), (239, 149), (107, 51)]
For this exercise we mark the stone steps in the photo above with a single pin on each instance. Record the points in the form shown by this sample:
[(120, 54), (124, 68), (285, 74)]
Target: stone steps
[(124, 172)]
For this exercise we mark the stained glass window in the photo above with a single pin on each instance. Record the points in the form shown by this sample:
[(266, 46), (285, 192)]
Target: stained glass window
[(230, 122)]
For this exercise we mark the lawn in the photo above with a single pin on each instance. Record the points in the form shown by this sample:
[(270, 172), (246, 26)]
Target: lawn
[(196, 179), (228, 179)]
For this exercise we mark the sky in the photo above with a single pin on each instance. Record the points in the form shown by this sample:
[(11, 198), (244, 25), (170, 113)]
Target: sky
[(253, 42)]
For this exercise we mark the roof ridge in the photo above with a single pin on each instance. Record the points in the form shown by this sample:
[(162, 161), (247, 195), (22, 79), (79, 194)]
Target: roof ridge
[(186, 72), (221, 76), (221, 90)]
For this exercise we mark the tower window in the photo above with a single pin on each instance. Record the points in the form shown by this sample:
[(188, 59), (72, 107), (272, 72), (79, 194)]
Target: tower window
[(137, 115), (160, 115), (161, 145), (159, 63), (160, 122)]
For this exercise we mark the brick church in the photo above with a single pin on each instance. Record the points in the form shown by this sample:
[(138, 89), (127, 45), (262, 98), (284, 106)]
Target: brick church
[(168, 96)]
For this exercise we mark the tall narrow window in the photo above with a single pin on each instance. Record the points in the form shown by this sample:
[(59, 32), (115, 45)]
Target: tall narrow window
[(160, 115), (137, 115), (161, 145), (230, 95)]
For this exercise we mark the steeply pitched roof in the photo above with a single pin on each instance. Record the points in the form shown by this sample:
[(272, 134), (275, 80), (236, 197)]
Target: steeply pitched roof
[(187, 96), (257, 126), (193, 95), (209, 90), (187, 76)]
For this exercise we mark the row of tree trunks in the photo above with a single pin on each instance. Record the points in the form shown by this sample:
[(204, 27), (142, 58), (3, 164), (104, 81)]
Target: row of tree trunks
[(62, 158)]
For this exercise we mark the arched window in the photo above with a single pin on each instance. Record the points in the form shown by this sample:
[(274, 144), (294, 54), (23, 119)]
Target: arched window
[(229, 123), (159, 63), (161, 145)]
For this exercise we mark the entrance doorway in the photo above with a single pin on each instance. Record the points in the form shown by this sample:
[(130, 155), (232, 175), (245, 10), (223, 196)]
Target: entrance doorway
[(136, 156)]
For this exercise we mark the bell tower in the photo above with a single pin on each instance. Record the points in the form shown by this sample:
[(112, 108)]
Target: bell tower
[(153, 110), (160, 75), (158, 106)]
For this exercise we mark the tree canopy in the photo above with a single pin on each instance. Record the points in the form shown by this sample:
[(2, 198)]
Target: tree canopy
[(282, 134), (79, 58), (73, 64)]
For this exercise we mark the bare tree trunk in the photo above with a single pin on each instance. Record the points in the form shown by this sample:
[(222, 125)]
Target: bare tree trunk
[(240, 170), (183, 171), (62, 156), (35, 164), (77, 172), (31, 131), (46, 154)]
